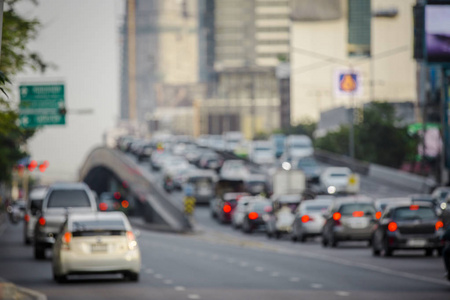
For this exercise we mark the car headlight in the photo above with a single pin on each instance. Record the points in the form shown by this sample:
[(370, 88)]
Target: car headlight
[(443, 205), (331, 189)]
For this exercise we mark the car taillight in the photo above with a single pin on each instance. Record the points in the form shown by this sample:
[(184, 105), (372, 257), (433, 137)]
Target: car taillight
[(67, 237), (125, 204), (392, 226), (103, 206), (253, 216), (358, 214), (378, 215), (41, 221), (414, 207), (27, 218), (439, 225), (306, 219), (132, 244), (336, 216), (227, 208)]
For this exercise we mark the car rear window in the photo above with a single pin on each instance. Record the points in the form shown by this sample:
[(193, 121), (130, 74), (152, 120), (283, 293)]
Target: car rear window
[(316, 207), (68, 198), (95, 225), (338, 175), (35, 205), (421, 213), (349, 209)]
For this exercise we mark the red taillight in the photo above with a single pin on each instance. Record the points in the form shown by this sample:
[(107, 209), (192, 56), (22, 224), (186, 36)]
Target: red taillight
[(67, 237), (117, 195), (130, 236), (306, 219), (414, 207), (103, 206), (336, 216), (41, 221), (132, 244), (358, 214), (253, 216), (439, 225), (392, 226), (27, 218), (227, 208), (378, 215), (125, 204)]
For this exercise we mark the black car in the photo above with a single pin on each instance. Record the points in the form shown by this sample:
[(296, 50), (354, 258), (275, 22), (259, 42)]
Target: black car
[(408, 226), (225, 207), (253, 219)]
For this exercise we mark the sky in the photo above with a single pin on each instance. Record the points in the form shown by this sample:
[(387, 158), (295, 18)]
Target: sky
[(82, 39)]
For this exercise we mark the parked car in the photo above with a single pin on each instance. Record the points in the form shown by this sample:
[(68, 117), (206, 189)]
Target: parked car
[(349, 219), (408, 226), (309, 219), (33, 210), (96, 243), (61, 199)]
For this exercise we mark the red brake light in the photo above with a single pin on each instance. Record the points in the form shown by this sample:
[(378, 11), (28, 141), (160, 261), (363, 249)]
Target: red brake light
[(358, 214), (414, 207), (41, 221), (227, 208), (67, 237), (305, 219), (392, 226), (439, 225), (253, 216), (117, 195), (125, 204), (336, 216), (27, 218), (103, 206), (130, 236), (378, 215)]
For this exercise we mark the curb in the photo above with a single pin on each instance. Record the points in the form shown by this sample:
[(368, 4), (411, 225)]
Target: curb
[(9, 290)]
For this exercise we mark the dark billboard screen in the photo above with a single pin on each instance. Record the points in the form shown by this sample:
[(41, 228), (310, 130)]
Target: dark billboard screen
[(437, 28)]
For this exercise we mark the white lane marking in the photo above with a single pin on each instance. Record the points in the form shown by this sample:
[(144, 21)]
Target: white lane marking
[(342, 293), (149, 271), (168, 281), (193, 296), (159, 276), (180, 288), (243, 264), (275, 274), (294, 279), (316, 286), (259, 269)]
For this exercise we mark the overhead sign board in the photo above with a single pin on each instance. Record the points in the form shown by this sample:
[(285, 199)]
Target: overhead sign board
[(41, 104), (347, 83), (437, 30)]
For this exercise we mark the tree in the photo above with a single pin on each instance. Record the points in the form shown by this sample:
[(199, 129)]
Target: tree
[(377, 138), (18, 31)]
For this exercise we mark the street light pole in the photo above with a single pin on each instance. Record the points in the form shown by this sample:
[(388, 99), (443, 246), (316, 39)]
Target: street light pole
[(351, 132)]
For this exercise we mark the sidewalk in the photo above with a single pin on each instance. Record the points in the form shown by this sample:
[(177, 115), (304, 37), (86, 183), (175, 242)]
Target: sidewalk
[(10, 291)]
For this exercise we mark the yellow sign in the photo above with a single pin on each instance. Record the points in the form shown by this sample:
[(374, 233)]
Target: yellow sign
[(189, 205), (348, 83)]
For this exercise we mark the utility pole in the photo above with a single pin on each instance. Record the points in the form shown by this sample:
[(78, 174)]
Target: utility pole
[(132, 60), (1, 24), (252, 99), (351, 131)]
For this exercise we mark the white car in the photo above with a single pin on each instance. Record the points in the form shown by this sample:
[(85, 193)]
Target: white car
[(96, 243), (32, 212), (238, 215), (335, 180), (309, 219), (261, 152), (234, 170)]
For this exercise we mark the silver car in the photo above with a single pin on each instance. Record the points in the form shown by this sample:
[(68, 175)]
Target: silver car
[(33, 209), (309, 219), (349, 218)]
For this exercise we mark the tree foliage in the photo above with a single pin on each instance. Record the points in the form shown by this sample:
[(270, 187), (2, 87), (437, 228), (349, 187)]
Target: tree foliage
[(377, 138), (17, 32)]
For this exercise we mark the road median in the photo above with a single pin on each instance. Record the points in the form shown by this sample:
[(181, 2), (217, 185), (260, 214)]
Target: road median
[(11, 291)]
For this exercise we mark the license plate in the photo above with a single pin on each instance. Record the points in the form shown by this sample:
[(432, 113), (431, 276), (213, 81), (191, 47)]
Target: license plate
[(204, 192), (416, 243), (358, 224), (98, 248)]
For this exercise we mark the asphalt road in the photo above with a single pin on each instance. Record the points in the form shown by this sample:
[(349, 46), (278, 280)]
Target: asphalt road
[(218, 262)]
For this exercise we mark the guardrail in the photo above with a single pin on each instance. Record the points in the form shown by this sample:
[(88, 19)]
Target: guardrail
[(388, 176), (157, 206)]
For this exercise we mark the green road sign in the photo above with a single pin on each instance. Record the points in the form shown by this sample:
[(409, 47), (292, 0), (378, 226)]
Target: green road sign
[(41, 105)]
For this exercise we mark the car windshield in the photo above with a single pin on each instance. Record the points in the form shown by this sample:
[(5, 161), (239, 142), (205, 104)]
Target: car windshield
[(349, 209), (35, 205), (420, 213), (316, 208), (307, 163), (68, 198), (338, 175)]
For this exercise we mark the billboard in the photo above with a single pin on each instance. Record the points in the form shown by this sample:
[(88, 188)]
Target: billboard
[(437, 30)]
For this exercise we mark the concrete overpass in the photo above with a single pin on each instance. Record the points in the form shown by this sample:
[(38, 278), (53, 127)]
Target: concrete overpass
[(109, 170)]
